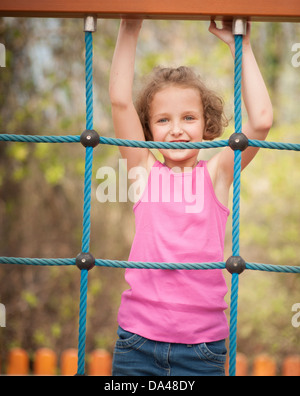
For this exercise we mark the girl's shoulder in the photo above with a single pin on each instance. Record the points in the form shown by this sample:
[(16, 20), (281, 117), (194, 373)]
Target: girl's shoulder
[(151, 161), (219, 179)]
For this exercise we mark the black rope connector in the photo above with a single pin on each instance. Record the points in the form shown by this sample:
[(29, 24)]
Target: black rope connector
[(85, 261), (235, 265), (238, 141), (89, 138)]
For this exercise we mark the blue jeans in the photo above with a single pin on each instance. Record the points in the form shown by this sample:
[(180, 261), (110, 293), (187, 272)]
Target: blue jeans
[(137, 356)]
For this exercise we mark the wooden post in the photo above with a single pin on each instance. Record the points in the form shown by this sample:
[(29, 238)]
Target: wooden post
[(69, 360), (45, 362), (18, 362), (264, 366), (100, 362), (241, 365), (291, 366)]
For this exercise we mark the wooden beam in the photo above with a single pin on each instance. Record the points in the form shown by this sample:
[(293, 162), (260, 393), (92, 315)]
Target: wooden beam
[(257, 10)]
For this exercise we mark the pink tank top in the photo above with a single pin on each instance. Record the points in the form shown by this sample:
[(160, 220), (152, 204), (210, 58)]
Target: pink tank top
[(178, 220)]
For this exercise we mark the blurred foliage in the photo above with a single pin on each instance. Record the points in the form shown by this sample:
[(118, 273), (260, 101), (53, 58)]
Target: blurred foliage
[(42, 91)]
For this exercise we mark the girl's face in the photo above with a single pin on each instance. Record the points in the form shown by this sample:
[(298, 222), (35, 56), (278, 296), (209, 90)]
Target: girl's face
[(176, 115)]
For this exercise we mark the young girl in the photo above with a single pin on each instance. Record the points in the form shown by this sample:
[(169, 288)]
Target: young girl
[(172, 322)]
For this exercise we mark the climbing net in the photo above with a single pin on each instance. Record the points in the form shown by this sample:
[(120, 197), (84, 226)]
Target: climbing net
[(90, 139)]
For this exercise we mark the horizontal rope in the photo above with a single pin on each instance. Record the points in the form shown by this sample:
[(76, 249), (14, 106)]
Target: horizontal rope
[(147, 265), (110, 141), (37, 261), (274, 145), (39, 139), (273, 268), (146, 144), (165, 145), (152, 265), (110, 263)]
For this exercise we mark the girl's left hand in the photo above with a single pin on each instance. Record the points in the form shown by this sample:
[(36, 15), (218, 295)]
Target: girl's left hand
[(225, 33)]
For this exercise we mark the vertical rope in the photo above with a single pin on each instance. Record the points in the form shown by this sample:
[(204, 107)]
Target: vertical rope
[(236, 202), (233, 324), (87, 199), (87, 202), (89, 79), (82, 322)]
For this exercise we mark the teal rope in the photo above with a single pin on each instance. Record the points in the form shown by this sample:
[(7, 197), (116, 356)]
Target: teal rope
[(233, 324), (142, 144), (236, 202), (273, 268), (165, 145), (147, 265), (87, 201), (6, 137), (89, 79), (112, 141), (82, 322), (153, 265), (274, 145), (37, 261), (235, 252)]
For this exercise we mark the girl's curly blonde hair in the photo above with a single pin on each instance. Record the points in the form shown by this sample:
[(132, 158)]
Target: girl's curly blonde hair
[(213, 106)]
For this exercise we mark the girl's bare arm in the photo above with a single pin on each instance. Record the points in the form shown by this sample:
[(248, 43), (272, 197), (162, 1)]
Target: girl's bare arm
[(125, 118), (257, 103)]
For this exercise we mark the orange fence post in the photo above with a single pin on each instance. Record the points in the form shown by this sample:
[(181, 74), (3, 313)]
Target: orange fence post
[(45, 362), (68, 363), (264, 365), (18, 362), (291, 366), (100, 362), (241, 365)]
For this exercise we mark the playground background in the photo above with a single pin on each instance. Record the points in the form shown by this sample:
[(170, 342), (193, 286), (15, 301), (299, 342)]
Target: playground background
[(42, 91)]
